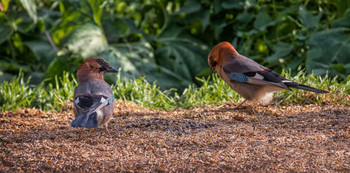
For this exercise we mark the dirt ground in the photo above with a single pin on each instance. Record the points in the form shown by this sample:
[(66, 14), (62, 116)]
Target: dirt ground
[(295, 138)]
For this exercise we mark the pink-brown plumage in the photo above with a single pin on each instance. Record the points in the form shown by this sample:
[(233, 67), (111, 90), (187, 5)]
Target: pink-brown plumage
[(248, 78)]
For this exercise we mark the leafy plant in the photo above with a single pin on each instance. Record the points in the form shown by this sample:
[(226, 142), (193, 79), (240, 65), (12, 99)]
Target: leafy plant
[(168, 41)]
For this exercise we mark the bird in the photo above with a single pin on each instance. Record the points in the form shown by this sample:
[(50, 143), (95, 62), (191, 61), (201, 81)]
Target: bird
[(248, 78), (93, 100)]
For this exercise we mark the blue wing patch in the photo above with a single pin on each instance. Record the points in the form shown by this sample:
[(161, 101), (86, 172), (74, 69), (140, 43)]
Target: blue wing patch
[(239, 77), (110, 100)]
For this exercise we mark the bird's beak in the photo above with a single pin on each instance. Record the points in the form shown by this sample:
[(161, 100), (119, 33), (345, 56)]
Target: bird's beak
[(212, 69), (112, 70)]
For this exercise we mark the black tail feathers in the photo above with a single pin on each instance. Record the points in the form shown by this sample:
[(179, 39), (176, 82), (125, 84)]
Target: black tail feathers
[(87, 121), (303, 87)]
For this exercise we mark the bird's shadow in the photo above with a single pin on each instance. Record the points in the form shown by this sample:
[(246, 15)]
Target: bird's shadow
[(247, 109)]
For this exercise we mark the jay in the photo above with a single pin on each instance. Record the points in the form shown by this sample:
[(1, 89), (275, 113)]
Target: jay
[(93, 98), (248, 78)]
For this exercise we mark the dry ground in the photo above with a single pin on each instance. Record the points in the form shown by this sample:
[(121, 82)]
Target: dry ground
[(296, 138)]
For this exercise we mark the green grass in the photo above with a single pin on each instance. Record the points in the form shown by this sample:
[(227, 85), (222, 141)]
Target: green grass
[(20, 94)]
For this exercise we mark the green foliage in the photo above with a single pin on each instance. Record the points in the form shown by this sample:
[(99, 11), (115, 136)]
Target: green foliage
[(30, 7), (168, 41), (330, 52), (19, 94)]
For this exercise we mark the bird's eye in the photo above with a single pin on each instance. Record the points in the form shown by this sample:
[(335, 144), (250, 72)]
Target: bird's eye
[(103, 68), (214, 63)]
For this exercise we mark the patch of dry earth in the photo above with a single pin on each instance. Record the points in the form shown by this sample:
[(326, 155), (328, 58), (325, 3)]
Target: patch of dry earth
[(301, 138)]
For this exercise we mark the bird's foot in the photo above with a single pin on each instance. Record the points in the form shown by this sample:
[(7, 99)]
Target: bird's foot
[(109, 134), (240, 106), (80, 132)]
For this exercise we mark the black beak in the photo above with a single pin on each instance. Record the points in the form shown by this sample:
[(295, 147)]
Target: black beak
[(112, 70), (212, 69)]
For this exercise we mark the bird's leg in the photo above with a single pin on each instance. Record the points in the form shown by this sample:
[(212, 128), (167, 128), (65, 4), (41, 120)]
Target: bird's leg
[(256, 111), (80, 132), (240, 104), (253, 109), (118, 133), (109, 135)]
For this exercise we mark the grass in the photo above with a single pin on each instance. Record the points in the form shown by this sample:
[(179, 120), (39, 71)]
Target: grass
[(20, 94)]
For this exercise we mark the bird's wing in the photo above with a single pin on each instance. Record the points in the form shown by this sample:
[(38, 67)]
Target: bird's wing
[(91, 103), (245, 70), (242, 64), (86, 107)]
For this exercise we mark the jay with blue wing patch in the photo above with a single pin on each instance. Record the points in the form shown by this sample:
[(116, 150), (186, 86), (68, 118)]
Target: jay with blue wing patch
[(248, 78), (93, 98)]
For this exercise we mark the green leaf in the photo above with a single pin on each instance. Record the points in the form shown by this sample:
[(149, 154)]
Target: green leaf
[(13, 66), (74, 14), (293, 65), (85, 41), (135, 60), (30, 7), (61, 64), (232, 4), (5, 5), (281, 49), (343, 7), (347, 68), (119, 57), (41, 25), (328, 47), (114, 29), (5, 32), (97, 8), (341, 22), (154, 14), (181, 54), (205, 19), (263, 20), (190, 6), (5, 76), (165, 78), (42, 50), (339, 68), (307, 19), (245, 17)]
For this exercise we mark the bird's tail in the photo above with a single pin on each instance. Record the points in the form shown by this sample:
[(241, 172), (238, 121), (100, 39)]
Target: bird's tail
[(291, 84), (84, 120)]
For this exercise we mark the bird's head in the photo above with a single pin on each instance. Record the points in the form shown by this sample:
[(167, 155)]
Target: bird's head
[(94, 68), (220, 54)]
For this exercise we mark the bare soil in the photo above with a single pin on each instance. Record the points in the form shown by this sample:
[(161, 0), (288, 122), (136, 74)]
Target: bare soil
[(293, 138)]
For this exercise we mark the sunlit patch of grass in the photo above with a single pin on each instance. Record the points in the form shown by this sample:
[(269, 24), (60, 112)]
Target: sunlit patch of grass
[(15, 94), (213, 91), (149, 95), (144, 93), (338, 91), (20, 94)]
